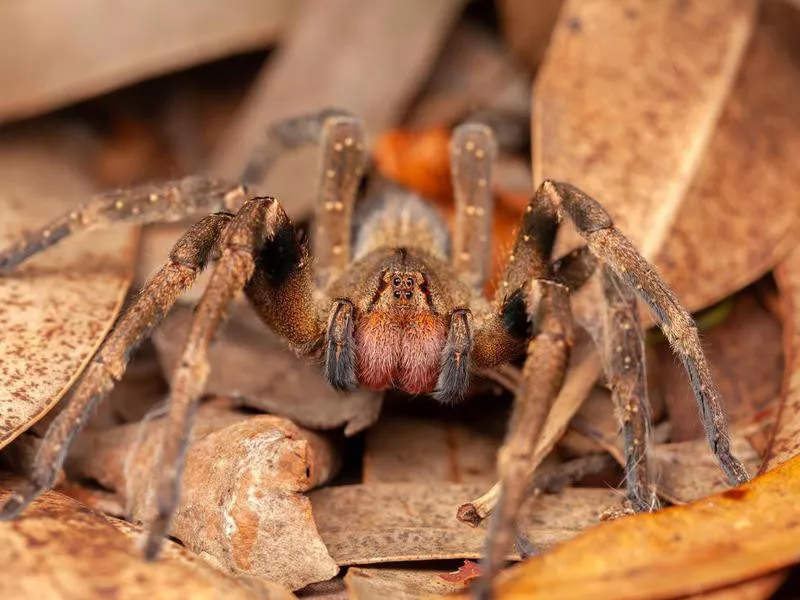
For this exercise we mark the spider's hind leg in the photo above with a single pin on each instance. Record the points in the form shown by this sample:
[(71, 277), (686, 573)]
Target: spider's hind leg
[(620, 255), (187, 258)]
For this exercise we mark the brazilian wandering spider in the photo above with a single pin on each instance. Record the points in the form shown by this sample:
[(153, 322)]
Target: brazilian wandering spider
[(391, 302)]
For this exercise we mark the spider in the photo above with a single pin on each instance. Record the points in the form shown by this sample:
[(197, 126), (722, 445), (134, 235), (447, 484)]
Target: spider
[(390, 300)]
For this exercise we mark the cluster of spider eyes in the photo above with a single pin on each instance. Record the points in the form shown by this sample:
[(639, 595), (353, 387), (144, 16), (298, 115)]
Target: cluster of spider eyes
[(398, 293)]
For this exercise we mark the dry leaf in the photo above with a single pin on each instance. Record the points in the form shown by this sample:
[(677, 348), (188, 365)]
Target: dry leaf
[(379, 583), (738, 220), (242, 504), (682, 471), (786, 443), (60, 550), (64, 52), (55, 309), (627, 100), (734, 536), (416, 450), (390, 49), (367, 524), (251, 363)]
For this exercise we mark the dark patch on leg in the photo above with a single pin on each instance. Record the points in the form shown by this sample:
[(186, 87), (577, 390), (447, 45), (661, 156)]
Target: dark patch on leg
[(454, 374), (340, 348), (279, 257), (514, 316)]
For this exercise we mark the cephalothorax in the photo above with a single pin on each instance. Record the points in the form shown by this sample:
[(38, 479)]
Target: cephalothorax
[(389, 299)]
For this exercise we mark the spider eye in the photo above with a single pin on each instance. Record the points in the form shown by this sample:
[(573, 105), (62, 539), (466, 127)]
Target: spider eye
[(409, 282), (396, 281), (397, 294), (408, 295)]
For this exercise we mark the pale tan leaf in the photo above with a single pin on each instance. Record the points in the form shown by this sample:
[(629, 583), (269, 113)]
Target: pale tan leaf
[(56, 309), (738, 218), (59, 52), (60, 550), (628, 98), (367, 524), (242, 503), (251, 363)]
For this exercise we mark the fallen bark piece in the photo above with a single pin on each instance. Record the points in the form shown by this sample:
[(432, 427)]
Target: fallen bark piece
[(61, 550), (390, 48), (242, 503), (249, 362), (55, 309), (67, 52), (734, 536), (368, 524)]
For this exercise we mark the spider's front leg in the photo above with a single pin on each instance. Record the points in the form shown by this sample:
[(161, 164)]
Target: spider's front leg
[(542, 376), (187, 258), (629, 267), (262, 253)]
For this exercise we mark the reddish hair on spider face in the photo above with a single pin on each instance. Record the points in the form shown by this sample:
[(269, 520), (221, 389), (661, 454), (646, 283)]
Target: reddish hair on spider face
[(403, 351)]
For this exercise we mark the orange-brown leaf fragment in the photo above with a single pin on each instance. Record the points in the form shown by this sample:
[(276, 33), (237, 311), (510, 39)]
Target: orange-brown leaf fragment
[(723, 539), (464, 574)]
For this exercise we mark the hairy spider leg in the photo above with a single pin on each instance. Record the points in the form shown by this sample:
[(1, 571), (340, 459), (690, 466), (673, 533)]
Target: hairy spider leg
[(258, 222), (188, 257), (543, 374), (473, 150), (626, 375), (615, 250), (163, 203), (344, 158)]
